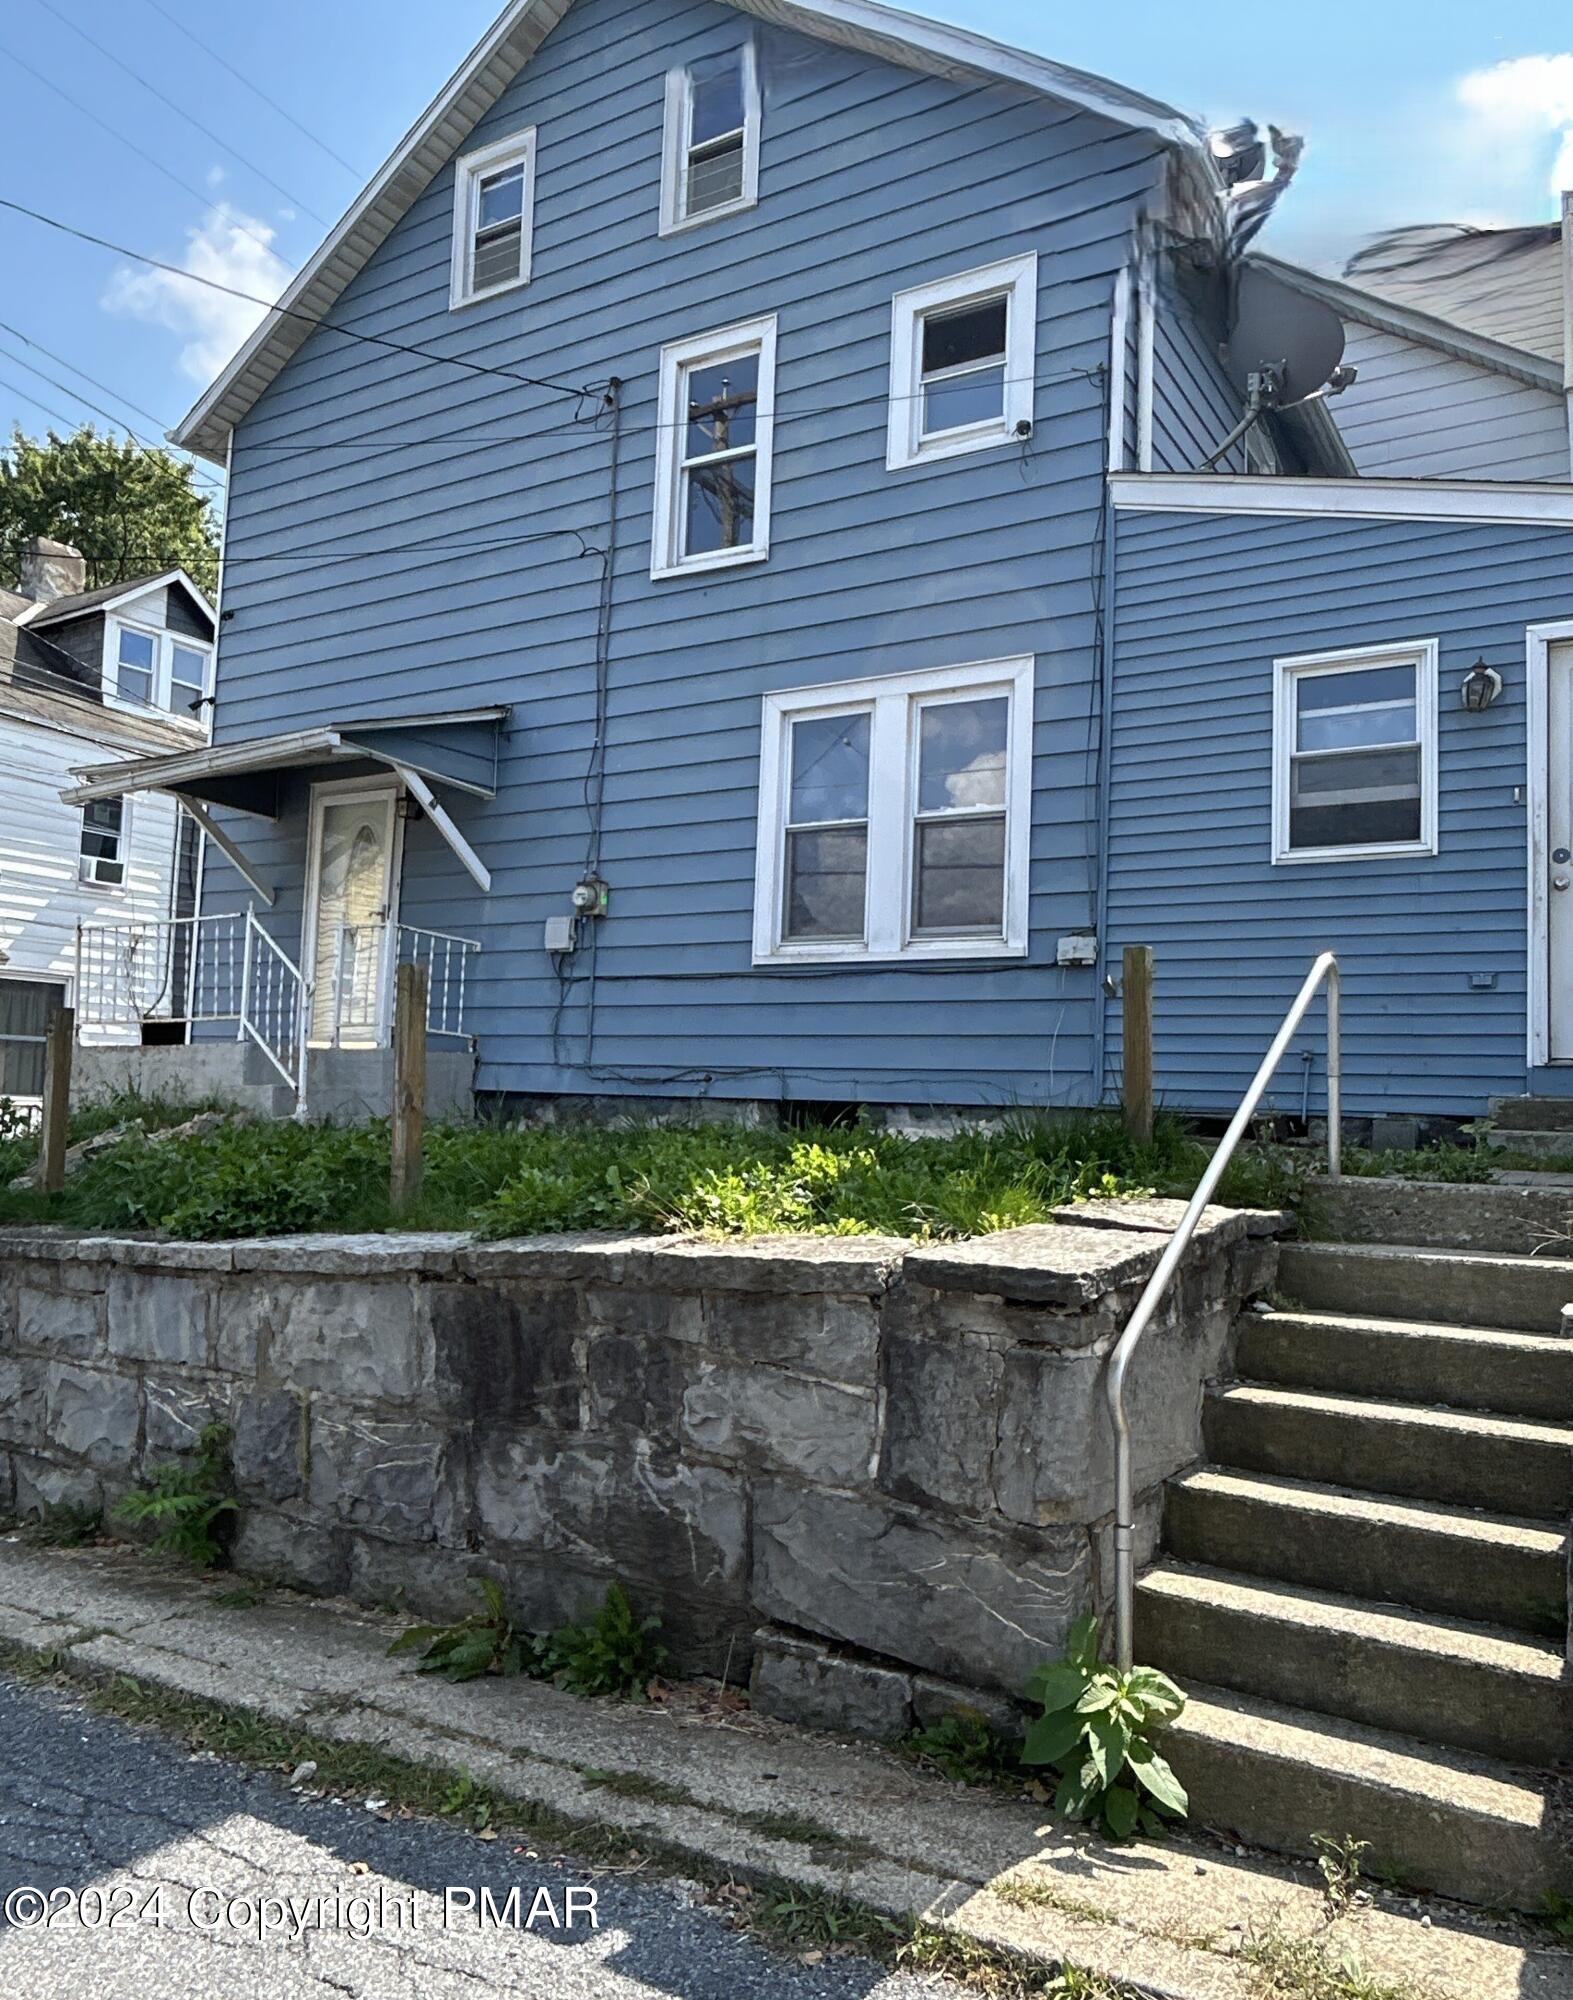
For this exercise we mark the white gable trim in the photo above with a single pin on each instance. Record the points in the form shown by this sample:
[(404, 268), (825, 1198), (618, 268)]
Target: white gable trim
[(1526, 505), (437, 135), (129, 595)]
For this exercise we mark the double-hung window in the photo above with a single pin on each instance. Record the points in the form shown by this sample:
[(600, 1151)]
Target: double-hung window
[(894, 817), (961, 363), (710, 156), (146, 668), (103, 842), (493, 212), (715, 420), (1354, 767)]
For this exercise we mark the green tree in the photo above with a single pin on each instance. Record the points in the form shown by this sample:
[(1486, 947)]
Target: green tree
[(130, 508)]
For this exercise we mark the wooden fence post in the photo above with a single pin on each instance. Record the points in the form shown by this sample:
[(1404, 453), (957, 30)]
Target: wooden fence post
[(409, 1085), (1136, 991), (58, 1044)]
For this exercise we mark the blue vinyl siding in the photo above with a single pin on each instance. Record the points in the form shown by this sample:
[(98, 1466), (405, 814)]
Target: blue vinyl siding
[(1417, 413), (1194, 405), (406, 535), (1203, 607)]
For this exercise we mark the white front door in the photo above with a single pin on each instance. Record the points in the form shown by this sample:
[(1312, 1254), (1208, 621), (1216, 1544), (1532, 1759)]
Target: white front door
[(1559, 848), (349, 912)]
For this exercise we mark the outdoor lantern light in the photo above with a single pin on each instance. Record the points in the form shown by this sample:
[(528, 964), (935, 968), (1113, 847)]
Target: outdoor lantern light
[(1482, 685)]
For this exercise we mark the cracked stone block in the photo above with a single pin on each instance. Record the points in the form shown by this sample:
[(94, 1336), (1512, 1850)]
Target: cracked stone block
[(636, 1384), (41, 1487), (7, 1484), (281, 1550), (1055, 1459), (157, 1316), (350, 1338), (68, 1324), (268, 1451), (783, 1422), (834, 1338), (644, 1314), (402, 1476), (933, 1699), (242, 1323), (960, 1599), (801, 1681), (22, 1417), (942, 1414), (505, 1354), (176, 1412), (432, 1583), (92, 1414)]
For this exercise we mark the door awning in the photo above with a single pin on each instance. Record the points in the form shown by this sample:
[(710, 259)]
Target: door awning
[(458, 749)]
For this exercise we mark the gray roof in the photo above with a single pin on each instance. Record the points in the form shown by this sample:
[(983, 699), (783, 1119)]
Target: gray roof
[(40, 682), (80, 602), (1504, 284)]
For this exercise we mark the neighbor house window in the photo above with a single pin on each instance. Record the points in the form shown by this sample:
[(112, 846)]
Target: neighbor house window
[(1355, 754), (712, 499), (26, 1009), (493, 209), (156, 669), (710, 161), (103, 836), (961, 362), (894, 817)]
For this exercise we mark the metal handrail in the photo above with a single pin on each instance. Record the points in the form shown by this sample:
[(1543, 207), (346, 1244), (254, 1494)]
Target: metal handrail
[(1325, 969)]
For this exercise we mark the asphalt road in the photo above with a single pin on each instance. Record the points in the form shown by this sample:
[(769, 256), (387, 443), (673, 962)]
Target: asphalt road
[(176, 1851)]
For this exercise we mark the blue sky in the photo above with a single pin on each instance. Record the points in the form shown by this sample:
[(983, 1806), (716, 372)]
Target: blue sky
[(1414, 110)]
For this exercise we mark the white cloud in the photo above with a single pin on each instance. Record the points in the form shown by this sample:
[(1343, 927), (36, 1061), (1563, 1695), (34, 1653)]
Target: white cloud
[(230, 248), (1520, 108)]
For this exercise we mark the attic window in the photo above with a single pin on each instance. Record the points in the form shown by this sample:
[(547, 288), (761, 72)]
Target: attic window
[(136, 667), (962, 353), (710, 163), (148, 669), (493, 214)]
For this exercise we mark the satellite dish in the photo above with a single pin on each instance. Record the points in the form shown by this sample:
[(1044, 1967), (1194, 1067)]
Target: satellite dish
[(1277, 328)]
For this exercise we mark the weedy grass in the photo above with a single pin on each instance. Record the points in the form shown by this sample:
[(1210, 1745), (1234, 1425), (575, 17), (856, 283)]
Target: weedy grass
[(190, 1505), (723, 1180), (614, 1653)]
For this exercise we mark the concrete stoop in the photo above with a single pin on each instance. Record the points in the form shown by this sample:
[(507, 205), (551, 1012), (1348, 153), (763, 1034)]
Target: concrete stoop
[(1366, 1590)]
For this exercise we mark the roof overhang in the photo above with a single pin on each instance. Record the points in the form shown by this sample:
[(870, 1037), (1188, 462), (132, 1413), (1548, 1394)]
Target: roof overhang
[(1528, 505), (458, 749), (1350, 302), (887, 33), (49, 610)]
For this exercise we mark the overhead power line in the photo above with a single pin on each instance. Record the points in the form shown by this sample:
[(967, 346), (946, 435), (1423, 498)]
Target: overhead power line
[(255, 88), (307, 319), (180, 111), (141, 152)]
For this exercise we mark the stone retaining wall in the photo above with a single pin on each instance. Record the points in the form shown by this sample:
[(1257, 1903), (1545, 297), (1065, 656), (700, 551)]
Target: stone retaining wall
[(851, 1463)]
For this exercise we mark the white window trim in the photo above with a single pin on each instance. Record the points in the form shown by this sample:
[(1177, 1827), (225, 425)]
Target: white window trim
[(674, 148), (676, 356), (1422, 655), (518, 149), (1017, 277), (87, 865), (892, 700), (164, 643)]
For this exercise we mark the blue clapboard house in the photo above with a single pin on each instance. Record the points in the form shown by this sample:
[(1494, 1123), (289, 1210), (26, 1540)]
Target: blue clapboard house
[(730, 565)]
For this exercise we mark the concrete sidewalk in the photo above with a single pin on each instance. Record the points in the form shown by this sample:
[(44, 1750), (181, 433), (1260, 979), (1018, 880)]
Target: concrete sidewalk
[(1179, 1919)]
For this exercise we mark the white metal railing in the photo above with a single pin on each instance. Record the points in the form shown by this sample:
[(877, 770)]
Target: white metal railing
[(275, 1005), (360, 980), (1325, 970), (164, 969)]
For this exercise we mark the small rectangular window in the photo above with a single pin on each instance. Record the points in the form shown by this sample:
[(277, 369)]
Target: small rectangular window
[(714, 445), (1355, 751), (137, 669), (493, 208), (894, 817), (962, 354), (188, 677), (103, 832), (710, 162)]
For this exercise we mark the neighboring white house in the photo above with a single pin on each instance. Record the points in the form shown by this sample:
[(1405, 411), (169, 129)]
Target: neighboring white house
[(118, 671)]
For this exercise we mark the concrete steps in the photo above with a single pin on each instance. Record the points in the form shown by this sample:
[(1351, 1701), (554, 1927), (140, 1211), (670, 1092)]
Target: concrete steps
[(1370, 1579), (1437, 1818), (1447, 1287), (1471, 1686), (1463, 1458), (1510, 1374), (1507, 1571)]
